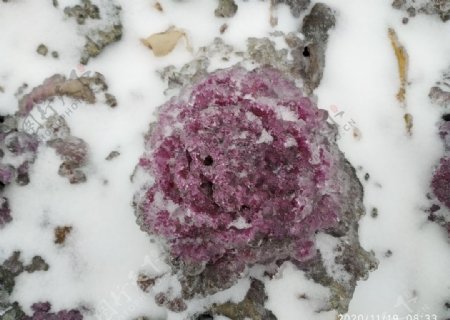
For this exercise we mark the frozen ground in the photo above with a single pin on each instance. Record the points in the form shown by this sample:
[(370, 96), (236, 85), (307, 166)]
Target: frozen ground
[(97, 267)]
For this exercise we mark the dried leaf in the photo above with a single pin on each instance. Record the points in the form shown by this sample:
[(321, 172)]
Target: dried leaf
[(158, 6), (61, 233), (223, 28), (408, 122), (356, 133), (273, 15), (163, 43), (402, 61)]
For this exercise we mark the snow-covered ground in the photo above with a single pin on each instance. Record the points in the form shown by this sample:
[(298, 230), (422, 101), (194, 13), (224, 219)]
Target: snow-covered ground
[(97, 267)]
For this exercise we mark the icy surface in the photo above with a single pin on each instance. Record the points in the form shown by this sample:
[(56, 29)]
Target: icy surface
[(213, 164), (244, 145), (97, 267)]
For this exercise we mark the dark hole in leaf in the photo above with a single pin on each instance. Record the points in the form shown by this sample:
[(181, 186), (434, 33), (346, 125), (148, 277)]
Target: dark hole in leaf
[(189, 159), (244, 207), (208, 161), (434, 208), (306, 52), (205, 316), (23, 179), (446, 117), (207, 188)]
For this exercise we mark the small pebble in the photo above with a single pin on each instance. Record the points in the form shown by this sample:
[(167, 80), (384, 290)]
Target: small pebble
[(145, 282), (223, 28), (374, 213), (411, 11), (161, 299), (37, 264), (367, 177), (42, 50), (158, 7), (55, 54), (356, 133), (112, 155), (110, 100), (176, 305), (226, 9)]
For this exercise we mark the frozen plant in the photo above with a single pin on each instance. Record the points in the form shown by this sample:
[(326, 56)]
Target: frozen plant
[(245, 170), (17, 153), (440, 183), (41, 311), (441, 178)]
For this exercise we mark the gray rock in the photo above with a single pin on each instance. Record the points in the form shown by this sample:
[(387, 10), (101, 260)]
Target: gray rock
[(100, 24), (74, 152), (297, 6), (316, 26), (318, 22), (37, 264), (14, 312), (14, 264), (110, 100), (9, 270), (440, 8), (226, 9), (112, 155), (86, 10), (252, 307), (5, 211), (440, 93), (42, 49)]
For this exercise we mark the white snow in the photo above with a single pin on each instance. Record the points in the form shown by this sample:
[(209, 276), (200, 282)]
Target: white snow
[(361, 79), (292, 296), (265, 137), (239, 223), (98, 266)]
